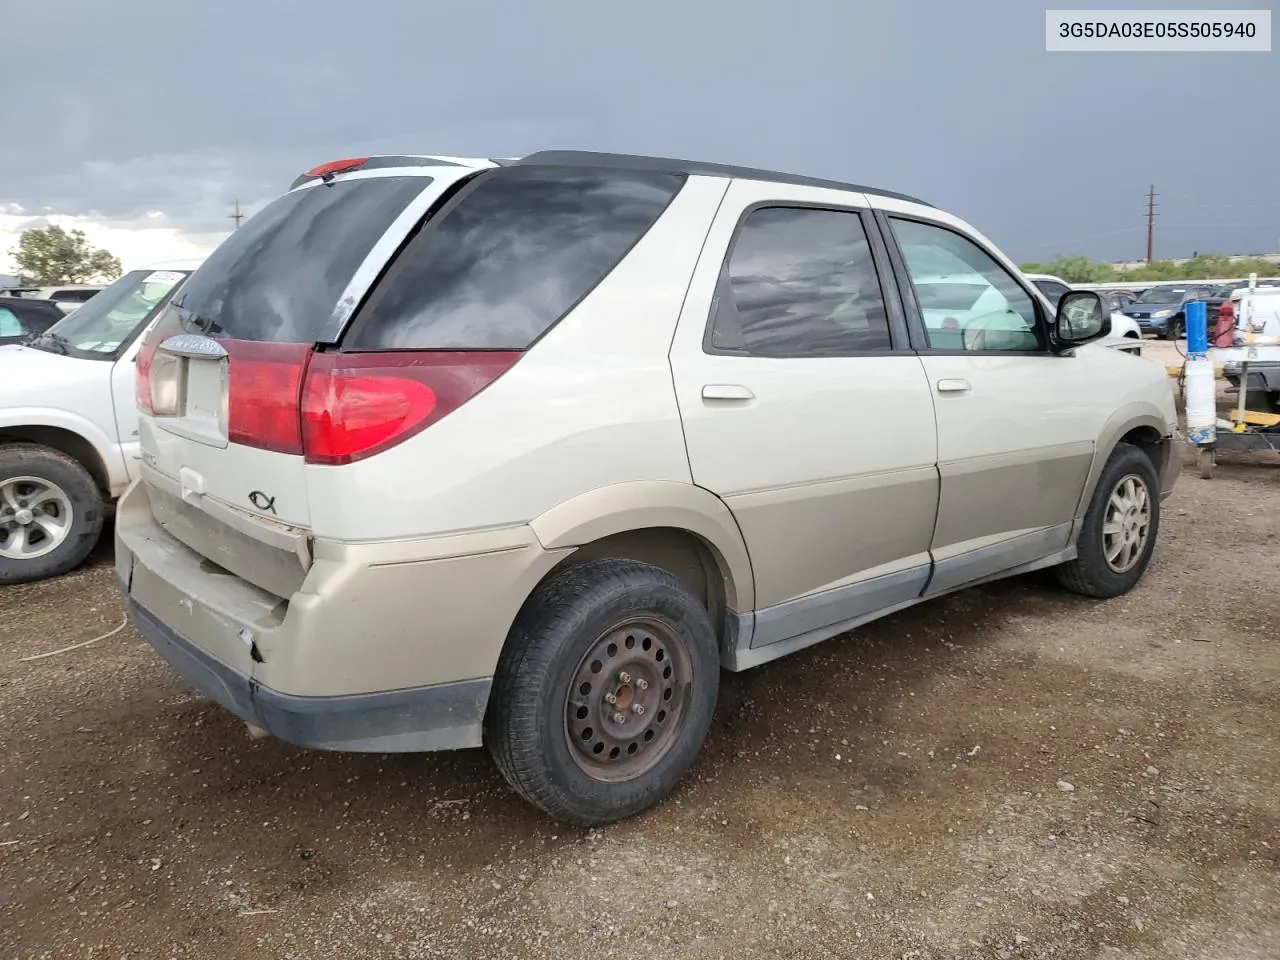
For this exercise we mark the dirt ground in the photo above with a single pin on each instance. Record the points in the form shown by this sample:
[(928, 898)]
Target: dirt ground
[(1010, 772)]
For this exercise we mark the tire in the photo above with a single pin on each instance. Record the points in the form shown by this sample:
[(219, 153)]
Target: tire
[(71, 502), (1176, 328), (1090, 574), (547, 715)]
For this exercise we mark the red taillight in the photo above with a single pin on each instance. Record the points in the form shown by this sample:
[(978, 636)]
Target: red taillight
[(142, 375), (355, 405), (337, 166), (263, 388)]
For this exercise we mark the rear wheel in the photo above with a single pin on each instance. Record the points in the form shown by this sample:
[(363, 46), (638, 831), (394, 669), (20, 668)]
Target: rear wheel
[(1119, 530), (604, 693), (50, 513)]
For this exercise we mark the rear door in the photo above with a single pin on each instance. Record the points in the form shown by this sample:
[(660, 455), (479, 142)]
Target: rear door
[(805, 410), (1016, 423)]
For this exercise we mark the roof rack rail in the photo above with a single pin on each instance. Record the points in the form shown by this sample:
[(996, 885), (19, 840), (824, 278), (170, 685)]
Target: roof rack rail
[(589, 158)]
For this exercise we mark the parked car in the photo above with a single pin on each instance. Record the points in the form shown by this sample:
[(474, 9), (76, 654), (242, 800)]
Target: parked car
[(68, 423), (21, 318), (1119, 299), (442, 453), (1124, 334), (1161, 309), (67, 296)]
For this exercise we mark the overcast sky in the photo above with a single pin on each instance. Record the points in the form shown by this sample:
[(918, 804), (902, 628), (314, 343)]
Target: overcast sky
[(142, 120)]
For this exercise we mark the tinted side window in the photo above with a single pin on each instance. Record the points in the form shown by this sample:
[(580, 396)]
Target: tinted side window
[(510, 257), (800, 283), (995, 313), (72, 296)]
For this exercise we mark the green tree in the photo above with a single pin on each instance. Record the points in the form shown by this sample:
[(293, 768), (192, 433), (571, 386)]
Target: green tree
[(1074, 269), (54, 255)]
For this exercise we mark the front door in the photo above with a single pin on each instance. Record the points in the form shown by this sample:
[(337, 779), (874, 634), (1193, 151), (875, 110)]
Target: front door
[(1015, 435), (804, 412)]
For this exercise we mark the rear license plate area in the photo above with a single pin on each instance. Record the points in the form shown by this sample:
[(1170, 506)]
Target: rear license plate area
[(202, 414)]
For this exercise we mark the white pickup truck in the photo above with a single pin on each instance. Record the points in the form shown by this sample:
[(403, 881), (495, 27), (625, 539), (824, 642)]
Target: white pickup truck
[(69, 424)]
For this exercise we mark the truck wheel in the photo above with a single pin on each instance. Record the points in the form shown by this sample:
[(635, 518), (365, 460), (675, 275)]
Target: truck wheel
[(50, 513), (604, 692), (1119, 530)]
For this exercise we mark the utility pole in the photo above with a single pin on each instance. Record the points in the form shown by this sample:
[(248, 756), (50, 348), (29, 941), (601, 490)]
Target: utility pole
[(238, 216), (1151, 221)]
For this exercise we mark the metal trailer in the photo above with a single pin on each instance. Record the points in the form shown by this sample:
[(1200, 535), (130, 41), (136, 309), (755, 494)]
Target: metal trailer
[(1248, 432)]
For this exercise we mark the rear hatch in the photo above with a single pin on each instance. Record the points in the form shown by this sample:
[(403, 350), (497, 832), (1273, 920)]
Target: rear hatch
[(219, 376), (251, 406)]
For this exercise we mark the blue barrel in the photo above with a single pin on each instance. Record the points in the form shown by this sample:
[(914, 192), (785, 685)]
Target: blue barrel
[(1197, 329)]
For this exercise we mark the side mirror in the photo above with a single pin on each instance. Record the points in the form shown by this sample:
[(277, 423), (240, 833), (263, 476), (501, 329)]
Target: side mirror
[(1082, 317)]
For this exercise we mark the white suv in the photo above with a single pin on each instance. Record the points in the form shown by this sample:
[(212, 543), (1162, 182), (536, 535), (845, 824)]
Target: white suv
[(440, 451)]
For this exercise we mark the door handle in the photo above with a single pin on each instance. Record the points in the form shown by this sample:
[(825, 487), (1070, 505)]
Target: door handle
[(726, 391), (956, 385)]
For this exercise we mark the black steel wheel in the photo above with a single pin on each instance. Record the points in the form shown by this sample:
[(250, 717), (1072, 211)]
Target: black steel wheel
[(624, 705), (604, 691)]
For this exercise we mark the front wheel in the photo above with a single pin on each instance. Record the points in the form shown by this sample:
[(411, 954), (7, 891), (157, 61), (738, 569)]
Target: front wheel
[(604, 692), (50, 513), (1176, 329), (1119, 530)]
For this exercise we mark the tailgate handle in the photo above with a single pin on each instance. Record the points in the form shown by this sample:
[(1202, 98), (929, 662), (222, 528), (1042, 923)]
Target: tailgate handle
[(194, 345)]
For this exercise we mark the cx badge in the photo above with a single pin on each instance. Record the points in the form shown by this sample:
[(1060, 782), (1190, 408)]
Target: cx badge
[(263, 502)]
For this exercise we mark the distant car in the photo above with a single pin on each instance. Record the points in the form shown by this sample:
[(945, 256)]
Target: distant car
[(1119, 299), (67, 296), (1161, 309), (68, 420), (21, 318), (1124, 335)]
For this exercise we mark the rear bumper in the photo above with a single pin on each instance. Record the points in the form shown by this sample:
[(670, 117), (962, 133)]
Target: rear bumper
[(386, 647), (444, 716)]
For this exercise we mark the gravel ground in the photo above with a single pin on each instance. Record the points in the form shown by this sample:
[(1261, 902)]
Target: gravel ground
[(1010, 772)]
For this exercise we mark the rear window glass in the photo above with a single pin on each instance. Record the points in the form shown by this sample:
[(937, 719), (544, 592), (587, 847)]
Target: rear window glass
[(509, 257), (279, 276)]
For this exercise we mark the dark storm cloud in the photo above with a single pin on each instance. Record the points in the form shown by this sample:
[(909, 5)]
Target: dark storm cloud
[(183, 106)]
